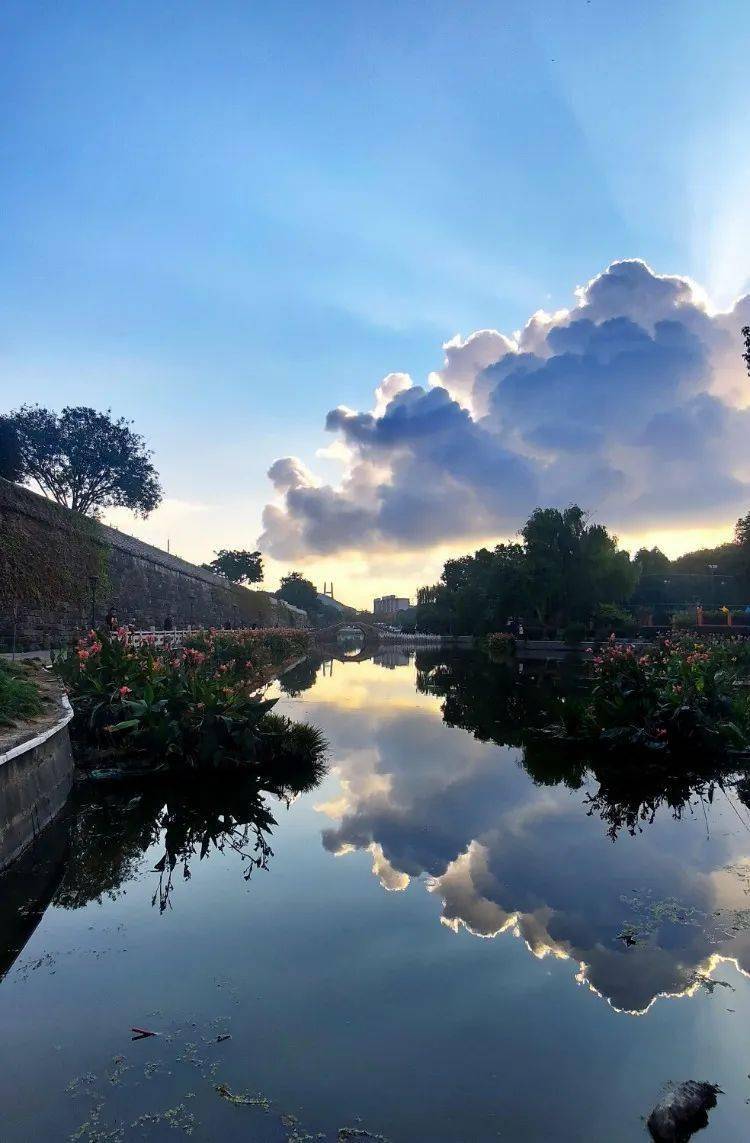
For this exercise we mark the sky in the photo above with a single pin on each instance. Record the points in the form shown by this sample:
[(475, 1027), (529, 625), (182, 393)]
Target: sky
[(253, 229)]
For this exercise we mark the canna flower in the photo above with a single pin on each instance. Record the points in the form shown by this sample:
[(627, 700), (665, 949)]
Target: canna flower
[(124, 691)]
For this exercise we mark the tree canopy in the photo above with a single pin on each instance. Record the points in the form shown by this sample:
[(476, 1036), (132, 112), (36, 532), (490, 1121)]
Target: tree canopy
[(85, 460), (237, 565), (300, 592), (561, 572), (651, 561)]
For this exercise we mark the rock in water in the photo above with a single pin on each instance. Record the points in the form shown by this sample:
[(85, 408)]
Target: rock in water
[(682, 1111)]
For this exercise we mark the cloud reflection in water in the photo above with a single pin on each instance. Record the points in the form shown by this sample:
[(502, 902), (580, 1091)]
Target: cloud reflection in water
[(643, 914)]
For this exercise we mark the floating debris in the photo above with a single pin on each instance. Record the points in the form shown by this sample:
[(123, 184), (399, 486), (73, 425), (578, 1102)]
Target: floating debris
[(178, 1117), (242, 1099)]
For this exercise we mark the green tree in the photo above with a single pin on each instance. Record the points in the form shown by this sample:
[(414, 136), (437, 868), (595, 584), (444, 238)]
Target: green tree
[(573, 566), (237, 565), (651, 561), (742, 530), (300, 592), (476, 594), (85, 460), (11, 465)]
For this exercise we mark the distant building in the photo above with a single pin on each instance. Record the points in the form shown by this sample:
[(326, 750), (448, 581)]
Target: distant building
[(389, 605)]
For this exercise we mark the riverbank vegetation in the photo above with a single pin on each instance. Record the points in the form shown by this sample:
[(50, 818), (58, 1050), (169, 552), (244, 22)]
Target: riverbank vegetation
[(568, 577), (19, 695), (679, 695), (196, 707)]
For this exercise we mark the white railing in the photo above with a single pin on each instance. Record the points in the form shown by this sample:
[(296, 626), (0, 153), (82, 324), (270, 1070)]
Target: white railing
[(162, 638), (415, 637)]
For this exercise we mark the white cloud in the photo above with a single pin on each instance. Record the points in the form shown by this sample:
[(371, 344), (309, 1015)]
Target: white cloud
[(633, 403)]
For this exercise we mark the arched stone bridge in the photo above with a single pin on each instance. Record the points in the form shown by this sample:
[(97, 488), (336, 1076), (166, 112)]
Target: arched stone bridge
[(325, 636)]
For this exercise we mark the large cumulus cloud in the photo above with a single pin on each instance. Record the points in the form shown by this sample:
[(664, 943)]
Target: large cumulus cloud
[(631, 402)]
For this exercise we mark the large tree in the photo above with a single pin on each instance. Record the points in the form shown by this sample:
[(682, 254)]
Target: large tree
[(651, 561), (574, 565), (237, 565), (86, 460), (300, 592)]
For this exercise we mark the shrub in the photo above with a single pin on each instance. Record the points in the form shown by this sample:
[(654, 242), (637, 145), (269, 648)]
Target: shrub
[(574, 633), (608, 617)]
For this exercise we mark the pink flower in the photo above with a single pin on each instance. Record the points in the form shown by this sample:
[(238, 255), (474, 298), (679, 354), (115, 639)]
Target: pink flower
[(82, 654), (124, 691)]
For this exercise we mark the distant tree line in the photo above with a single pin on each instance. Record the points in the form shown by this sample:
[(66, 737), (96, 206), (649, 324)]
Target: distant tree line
[(566, 572)]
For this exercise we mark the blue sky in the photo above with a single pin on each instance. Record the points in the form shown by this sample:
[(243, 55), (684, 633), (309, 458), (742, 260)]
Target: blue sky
[(223, 220)]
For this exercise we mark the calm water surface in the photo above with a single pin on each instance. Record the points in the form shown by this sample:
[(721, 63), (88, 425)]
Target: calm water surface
[(453, 937)]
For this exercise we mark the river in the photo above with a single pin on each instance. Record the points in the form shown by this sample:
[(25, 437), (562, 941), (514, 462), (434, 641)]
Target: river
[(452, 937)]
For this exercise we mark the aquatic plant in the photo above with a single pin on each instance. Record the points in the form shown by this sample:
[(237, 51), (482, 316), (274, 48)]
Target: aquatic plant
[(176, 706), (250, 653), (682, 693)]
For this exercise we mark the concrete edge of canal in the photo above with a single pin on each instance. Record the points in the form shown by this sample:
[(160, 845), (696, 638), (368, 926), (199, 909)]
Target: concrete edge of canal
[(36, 776)]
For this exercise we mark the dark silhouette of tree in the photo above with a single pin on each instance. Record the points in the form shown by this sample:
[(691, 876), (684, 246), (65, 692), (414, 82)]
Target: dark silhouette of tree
[(237, 565), (574, 565), (651, 561), (85, 460), (11, 465), (562, 572), (300, 592), (742, 531), (746, 339)]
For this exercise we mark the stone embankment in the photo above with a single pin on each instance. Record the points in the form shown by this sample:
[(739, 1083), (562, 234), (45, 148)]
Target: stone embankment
[(36, 773)]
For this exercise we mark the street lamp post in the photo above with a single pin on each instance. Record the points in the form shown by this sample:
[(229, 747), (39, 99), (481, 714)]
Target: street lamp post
[(93, 581)]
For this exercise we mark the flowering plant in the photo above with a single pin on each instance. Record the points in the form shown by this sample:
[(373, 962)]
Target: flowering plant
[(501, 643), (681, 692), (179, 705)]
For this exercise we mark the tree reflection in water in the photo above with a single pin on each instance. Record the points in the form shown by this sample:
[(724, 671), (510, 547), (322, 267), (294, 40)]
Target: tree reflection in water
[(497, 702), (300, 677), (189, 819)]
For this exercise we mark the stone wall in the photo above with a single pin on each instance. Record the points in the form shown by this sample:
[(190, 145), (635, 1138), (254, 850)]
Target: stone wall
[(143, 584)]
